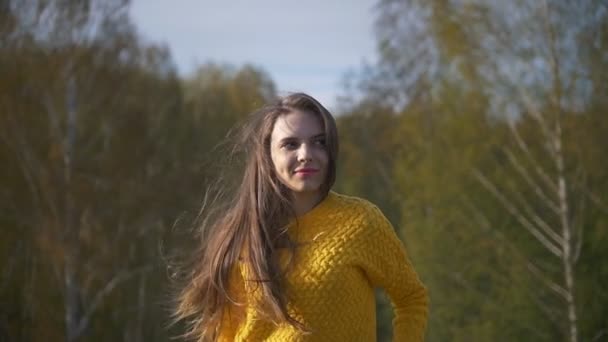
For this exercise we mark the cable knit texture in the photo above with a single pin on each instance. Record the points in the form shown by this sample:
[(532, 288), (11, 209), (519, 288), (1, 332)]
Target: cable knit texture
[(346, 248)]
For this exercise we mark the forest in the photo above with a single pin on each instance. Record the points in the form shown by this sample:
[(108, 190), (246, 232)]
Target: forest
[(481, 132)]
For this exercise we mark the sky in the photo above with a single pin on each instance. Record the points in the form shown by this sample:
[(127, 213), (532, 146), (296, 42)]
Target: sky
[(303, 45)]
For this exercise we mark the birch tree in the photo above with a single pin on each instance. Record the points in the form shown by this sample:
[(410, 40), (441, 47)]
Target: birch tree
[(550, 173), (61, 58), (526, 68)]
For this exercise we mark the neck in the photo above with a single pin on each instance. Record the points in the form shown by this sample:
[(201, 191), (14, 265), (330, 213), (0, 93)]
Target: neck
[(304, 202)]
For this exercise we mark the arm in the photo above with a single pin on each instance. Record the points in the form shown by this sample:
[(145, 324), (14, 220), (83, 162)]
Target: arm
[(387, 265)]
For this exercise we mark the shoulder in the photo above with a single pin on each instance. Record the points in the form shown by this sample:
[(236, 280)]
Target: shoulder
[(369, 231), (347, 202), (359, 210)]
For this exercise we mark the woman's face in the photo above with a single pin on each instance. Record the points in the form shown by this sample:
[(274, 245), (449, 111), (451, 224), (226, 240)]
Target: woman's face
[(298, 152)]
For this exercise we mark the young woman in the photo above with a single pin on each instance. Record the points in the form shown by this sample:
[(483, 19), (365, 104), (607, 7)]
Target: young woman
[(289, 259)]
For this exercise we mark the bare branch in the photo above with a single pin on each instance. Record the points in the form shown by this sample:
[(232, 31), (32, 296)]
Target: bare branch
[(551, 313), (562, 292), (483, 221), (599, 334), (460, 280), (97, 300), (12, 140), (596, 200), (535, 114), (542, 224), (527, 177), (578, 223), (10, 265), (35, 173), (524, 147), (556, 95), (517, 214)]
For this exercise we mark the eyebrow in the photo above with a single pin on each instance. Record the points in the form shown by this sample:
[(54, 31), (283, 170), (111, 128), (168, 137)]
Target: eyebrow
[(320, 135)]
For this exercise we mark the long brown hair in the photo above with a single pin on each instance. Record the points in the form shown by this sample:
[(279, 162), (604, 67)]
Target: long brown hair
[(254, 220)]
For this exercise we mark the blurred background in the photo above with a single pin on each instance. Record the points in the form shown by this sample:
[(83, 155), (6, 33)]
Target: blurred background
[(479, 127)]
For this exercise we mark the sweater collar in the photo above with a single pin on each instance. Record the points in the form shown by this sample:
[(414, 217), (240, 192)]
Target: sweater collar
[(320, 208)]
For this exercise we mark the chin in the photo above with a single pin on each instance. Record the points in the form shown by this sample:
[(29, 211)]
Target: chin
[(307, 188)]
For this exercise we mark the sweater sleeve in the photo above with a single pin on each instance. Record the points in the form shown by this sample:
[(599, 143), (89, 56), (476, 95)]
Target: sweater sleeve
[(386, 264)]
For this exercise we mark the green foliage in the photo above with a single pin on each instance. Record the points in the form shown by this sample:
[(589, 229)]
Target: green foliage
[(445, 127), (106, 154)]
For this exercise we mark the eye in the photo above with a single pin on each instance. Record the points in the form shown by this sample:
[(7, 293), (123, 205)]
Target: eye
[(320, 142), (289, 145)]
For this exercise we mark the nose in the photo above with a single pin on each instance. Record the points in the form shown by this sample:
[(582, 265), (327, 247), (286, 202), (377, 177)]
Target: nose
[(304, 153)]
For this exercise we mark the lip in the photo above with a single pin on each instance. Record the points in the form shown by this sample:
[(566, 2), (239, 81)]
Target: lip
[(306, 171)]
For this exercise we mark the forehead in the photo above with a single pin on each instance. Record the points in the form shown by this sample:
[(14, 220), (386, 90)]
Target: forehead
[(297, 124)]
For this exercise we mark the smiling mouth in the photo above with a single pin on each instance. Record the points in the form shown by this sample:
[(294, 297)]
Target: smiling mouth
[(306, 171)]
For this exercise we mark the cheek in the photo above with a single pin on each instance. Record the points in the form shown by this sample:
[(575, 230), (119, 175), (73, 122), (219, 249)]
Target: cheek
[(281, 162), (324, 158)]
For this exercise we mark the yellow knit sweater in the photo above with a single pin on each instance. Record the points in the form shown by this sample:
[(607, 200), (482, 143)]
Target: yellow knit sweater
[(346, 248)]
